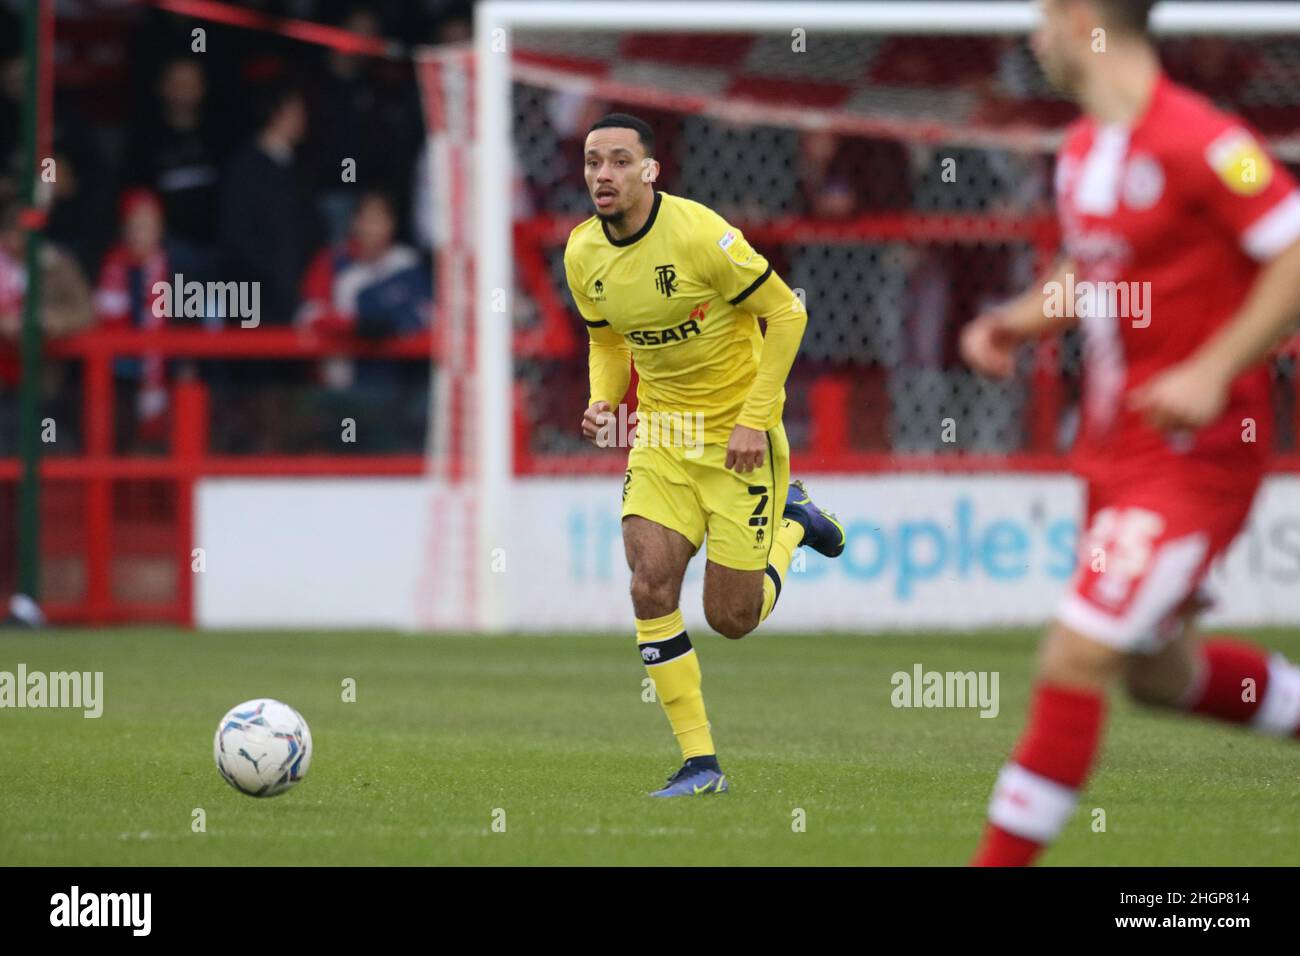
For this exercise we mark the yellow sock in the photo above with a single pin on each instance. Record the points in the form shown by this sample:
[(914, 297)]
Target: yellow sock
[(788, 537), (671, 663)]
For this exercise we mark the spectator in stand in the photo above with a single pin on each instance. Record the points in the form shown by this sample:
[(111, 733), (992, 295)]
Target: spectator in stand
[(368, 113), (177, 153), (842, 177), (372, 285), (265, 222), (126, 298), (80, 215), (349, 101), (65, 309)]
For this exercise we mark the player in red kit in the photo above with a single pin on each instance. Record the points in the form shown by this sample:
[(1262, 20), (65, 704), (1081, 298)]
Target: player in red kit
[(1181, 262)]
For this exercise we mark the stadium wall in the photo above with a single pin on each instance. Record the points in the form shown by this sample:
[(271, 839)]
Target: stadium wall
[(925, 552)]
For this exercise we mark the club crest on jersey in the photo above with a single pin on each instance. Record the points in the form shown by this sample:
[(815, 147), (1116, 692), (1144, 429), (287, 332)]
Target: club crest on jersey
[(1240, 162), (1144, 182), (666, 280), (598, 291)]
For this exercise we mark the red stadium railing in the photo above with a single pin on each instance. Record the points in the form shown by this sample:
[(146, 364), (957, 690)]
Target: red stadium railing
[(92, 538), (188, 458)]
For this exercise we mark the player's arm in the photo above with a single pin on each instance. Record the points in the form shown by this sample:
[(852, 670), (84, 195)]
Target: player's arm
[(786, 320), (609, 366), (1194, 393), (1250, 194), (609, 360), (1268, 318), (988, 343), (747, 281)]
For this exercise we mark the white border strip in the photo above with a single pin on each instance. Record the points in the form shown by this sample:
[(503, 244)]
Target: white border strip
[(998, 16)]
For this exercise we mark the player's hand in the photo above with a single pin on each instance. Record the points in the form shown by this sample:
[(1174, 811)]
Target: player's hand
[(594, 419), (746, 449), (1187, 396), (989, 346)]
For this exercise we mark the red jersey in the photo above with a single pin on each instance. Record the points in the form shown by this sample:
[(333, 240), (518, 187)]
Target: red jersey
[(1168, 223)]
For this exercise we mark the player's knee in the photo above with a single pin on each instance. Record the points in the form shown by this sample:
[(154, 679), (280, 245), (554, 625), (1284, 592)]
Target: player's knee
[(1070, 658), (652, 594), (731, 622)]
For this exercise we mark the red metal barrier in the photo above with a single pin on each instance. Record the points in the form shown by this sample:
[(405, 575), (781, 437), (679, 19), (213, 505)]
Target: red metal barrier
[(104, 478)]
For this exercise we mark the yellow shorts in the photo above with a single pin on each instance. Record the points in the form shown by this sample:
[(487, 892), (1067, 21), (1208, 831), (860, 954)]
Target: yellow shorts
[(690, 491)]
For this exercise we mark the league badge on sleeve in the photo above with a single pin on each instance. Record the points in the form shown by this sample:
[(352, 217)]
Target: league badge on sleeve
[(1240, 162), (738, 250)]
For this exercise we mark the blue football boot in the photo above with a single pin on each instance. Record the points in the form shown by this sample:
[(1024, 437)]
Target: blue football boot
[(822, 531), (697, 777)]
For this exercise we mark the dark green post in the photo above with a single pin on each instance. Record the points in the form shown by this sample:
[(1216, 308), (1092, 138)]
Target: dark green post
[(29, 424)]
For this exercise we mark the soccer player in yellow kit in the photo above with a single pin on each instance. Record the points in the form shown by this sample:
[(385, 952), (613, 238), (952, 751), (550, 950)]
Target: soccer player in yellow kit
[(666, 283)]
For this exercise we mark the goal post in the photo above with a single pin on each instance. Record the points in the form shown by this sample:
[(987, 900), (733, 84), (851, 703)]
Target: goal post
[(498, 23)]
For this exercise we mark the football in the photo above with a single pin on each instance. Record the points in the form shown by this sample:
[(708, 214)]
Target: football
[(262, 747)]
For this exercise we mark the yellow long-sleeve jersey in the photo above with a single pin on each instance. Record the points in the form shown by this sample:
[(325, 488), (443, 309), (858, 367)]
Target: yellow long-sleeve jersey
[(681, 298)]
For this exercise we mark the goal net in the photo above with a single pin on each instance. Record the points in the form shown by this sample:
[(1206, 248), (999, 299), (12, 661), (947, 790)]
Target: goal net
[(895, 164)]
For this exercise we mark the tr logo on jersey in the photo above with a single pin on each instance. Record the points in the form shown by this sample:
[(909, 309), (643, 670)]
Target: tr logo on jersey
[(666, 280)]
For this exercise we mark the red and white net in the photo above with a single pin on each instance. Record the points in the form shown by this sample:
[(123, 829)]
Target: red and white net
[(902, 182)]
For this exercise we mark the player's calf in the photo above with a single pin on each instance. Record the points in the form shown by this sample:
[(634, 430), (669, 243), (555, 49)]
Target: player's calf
[(657, 557), (1163, 679), (1241, 683), (1038, 788), (1221, 677), (802, 523)]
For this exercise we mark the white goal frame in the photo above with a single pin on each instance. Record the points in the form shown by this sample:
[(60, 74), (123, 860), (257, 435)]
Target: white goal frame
[(494, 23)]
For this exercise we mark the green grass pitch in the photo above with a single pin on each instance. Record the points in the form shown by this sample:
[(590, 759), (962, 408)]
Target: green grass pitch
[(553, 731)]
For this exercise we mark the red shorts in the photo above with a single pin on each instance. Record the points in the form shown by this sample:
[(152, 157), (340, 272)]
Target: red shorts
[(1148, 547)]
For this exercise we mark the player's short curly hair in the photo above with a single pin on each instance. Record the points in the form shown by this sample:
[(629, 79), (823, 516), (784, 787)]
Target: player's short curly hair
[(628, 121), (1130, 15)]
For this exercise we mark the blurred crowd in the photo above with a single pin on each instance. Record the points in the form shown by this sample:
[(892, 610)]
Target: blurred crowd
[(251, 159), (260, 159)]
